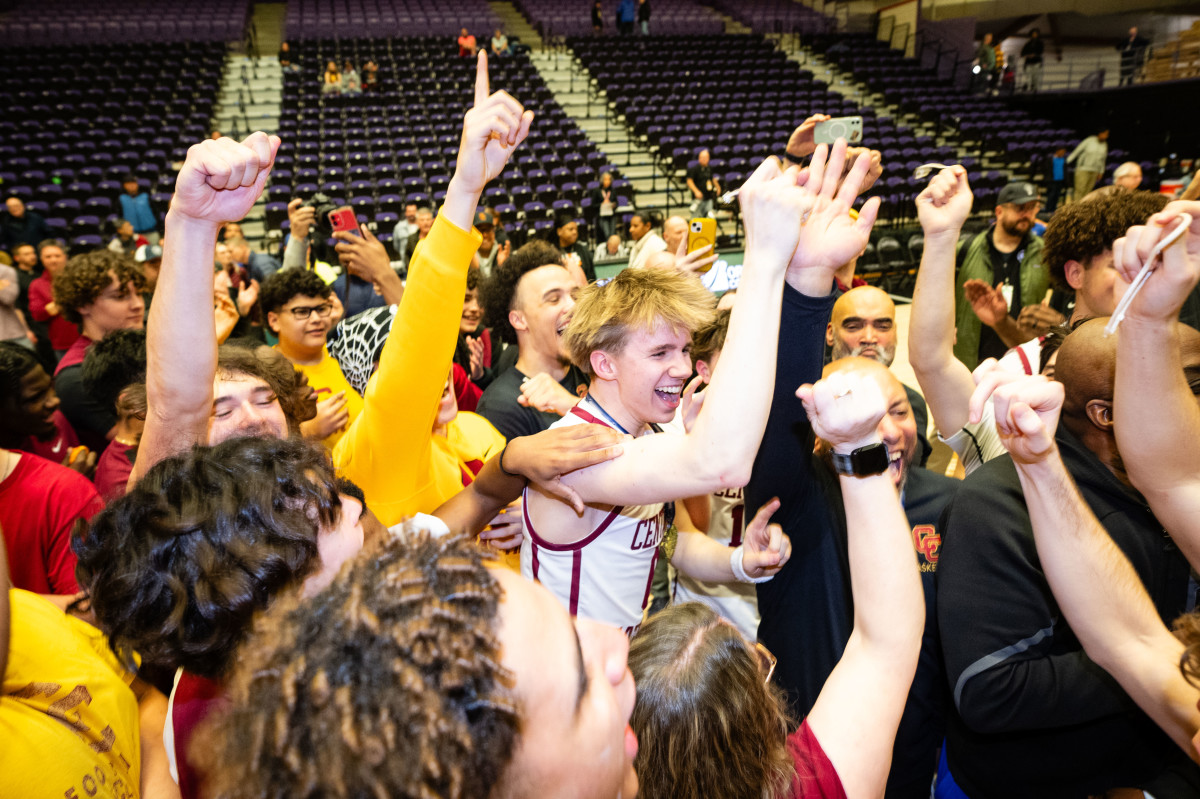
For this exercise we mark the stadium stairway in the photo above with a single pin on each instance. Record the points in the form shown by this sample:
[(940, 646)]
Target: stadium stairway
[(515, 26), (249, 100)]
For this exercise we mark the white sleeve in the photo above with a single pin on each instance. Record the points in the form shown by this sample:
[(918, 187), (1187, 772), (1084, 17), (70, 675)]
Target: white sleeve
[(976, 444)]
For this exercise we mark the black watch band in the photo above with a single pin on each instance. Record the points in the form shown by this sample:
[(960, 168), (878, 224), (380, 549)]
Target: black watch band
[(792, 159), (862, 462)]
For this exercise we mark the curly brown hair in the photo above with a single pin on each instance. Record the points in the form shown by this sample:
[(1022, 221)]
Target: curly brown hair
[(177, 568), (86, 276), (1081, 231), (387, 683), (708, 727)]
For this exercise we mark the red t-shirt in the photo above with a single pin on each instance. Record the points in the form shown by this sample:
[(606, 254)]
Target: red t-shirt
[(815, 777), (62, 332), (75, 353), (55, 449), (192, 701), (113, 470), (465, 392), (39, 505)]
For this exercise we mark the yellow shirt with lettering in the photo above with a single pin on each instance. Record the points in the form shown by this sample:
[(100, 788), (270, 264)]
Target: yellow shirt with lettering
[(327, 379), (68, 718)]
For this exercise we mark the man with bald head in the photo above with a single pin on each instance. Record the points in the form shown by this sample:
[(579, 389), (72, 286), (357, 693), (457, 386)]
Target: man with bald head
[(864, 324), (674, 231), (1128, 175), (812, 596), (1034, 716)]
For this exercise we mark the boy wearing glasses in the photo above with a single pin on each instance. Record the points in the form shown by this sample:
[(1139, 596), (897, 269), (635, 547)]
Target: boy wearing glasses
[(299, 310)]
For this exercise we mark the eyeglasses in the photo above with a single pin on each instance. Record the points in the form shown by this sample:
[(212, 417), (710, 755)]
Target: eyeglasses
[(766, 661), (302, 312)]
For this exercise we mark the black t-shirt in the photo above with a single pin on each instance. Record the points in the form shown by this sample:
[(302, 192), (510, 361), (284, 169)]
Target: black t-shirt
[(1032, 51), (1006, 268), (500, 407), (23, 280), (91, 420), (702, 177)]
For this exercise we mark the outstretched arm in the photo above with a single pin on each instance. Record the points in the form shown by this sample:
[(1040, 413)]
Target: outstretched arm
[(717, 453), (945, 381), (386, 450), (542, 458), (858, 711), (1093, 581), (1154, 399), (220, 180)]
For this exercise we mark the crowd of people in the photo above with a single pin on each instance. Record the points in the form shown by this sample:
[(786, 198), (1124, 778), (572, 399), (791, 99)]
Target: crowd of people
[(301, 527)]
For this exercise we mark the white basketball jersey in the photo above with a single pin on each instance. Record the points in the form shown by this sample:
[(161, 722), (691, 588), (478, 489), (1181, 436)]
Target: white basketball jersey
[(606, 574), (736, 602)]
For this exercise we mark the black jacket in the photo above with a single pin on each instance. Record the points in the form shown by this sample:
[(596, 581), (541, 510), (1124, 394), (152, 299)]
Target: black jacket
[(807, 610), (1036, 717)]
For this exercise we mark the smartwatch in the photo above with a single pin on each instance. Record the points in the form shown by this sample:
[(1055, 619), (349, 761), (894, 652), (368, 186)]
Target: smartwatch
[(862, 462)]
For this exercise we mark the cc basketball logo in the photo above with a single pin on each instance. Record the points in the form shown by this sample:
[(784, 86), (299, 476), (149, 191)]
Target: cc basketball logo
[(927, 541)]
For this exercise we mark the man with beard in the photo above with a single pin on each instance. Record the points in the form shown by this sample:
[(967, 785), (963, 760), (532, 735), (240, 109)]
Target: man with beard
[(1007, 256), (864, 324)]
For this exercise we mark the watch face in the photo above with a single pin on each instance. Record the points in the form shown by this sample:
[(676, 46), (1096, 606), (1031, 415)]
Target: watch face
[(869, 460)]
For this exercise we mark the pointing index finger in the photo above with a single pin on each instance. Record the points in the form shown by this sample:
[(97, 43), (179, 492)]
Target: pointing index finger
[(482, 85)]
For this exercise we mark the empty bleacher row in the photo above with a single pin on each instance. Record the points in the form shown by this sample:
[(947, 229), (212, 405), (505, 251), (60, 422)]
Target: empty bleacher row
[(741, 98), (353, 19), (53, 23), (71, 132), (379, 150), (556, 18)]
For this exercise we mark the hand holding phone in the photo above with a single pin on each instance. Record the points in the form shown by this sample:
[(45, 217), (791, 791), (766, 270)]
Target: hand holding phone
[(829, 131), (343, 219), (702, 232)]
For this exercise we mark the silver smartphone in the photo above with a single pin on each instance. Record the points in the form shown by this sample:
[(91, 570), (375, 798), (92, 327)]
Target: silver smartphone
[(829, 131)]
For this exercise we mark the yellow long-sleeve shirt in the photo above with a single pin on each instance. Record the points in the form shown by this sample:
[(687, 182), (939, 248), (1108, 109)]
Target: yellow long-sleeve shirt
[(390, 450)]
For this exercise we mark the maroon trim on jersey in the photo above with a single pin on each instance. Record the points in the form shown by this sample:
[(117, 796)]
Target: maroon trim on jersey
[(589, 418), (576, 579), (534, 560), (538, 541), (650, 579), (1024, 360)]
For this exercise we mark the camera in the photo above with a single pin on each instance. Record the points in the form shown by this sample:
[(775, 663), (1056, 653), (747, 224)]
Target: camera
[(697, 226), (321, 205)]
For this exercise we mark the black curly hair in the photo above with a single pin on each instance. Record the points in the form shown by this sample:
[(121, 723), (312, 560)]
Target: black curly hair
[(114, 362), (1081, 231), (86, 276), (176, 569), (15, 362), (280, 287), (387, 683), (497, 293)]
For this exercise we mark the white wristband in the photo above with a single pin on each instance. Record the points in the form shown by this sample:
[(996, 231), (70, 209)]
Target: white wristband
[(739, 570)]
